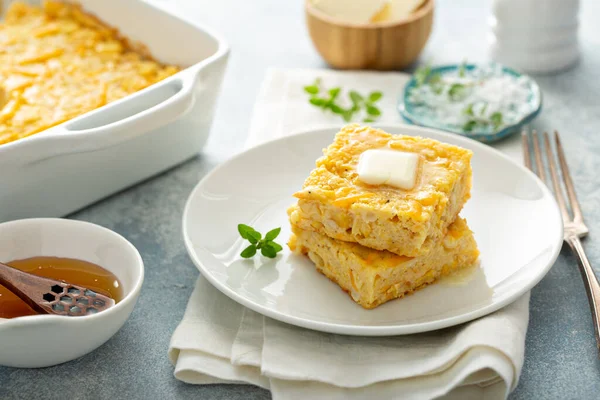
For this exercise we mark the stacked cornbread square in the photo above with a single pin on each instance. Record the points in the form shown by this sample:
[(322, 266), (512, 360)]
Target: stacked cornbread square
[(379, 242)]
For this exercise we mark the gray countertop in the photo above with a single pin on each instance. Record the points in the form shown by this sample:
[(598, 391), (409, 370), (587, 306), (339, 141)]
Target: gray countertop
[(561, 357)]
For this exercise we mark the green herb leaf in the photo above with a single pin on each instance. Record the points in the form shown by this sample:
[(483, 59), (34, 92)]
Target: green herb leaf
[(333, 93), (272, 234), (315, 101), (245, 230), (249, 251), (435, 79), (275, 246), (374, 111), (375, 96), (469, 110), (456, 91), (355, 97), (436, 83), (470, 125), (254, 237), (368, 120), (336, 109), (437, 89), (249, 233), (268, 251), (482, 112), (462, 69), (496, 119), (421, 74), (311, 89), (348, 115)]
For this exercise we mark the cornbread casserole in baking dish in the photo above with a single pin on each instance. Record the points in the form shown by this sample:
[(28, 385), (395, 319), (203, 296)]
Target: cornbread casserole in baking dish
[(135, 83), (334, 202), (57, 62), (373, 277)]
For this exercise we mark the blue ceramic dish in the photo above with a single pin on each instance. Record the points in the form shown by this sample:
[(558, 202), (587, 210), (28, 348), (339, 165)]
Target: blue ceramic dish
[(413, 114)]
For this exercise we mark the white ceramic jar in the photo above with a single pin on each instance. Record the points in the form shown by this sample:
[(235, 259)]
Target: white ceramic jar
[(535, 36)]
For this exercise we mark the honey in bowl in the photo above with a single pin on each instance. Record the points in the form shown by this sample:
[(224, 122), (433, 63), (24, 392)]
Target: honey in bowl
[(77, 272)]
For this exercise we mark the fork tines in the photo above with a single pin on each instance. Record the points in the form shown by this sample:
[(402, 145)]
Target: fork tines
[(551, 161)]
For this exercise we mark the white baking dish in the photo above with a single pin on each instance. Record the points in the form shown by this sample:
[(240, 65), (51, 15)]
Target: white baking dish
[(71, 165)]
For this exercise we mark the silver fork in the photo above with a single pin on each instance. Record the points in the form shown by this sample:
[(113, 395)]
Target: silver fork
[(574, 227)]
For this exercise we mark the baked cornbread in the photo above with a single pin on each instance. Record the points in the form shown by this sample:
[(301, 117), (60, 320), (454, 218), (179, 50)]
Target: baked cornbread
[(373, 277), (57, 62), (334, 202)]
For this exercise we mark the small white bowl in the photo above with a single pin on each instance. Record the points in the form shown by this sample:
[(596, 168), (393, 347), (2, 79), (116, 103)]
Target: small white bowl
[(45, 340)]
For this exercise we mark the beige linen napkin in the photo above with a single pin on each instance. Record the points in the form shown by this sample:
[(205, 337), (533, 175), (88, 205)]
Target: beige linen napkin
[(219, 341)]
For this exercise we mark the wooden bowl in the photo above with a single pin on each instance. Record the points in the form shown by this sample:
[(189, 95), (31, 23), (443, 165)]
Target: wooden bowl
[(382, 45)]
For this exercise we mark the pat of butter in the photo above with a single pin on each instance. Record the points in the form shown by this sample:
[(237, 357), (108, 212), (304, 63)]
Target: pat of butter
[(353, 11), (401, 9), (388, 167), (368, 11)]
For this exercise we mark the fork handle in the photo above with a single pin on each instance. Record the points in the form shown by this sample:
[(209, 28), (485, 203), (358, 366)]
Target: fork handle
[(592, 286)]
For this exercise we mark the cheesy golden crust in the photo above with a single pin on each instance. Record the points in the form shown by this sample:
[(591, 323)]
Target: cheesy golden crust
[(373, 277), (334, 202), (57, 62)]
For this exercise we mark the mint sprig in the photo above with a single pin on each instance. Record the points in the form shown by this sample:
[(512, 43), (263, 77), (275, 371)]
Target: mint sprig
[(328, 100), (267, 245)]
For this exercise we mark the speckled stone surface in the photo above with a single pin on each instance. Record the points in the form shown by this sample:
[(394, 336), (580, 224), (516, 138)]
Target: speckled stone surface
[(561, 357)]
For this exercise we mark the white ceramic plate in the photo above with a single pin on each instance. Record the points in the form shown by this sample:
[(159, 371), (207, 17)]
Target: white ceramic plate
[(515, 219)]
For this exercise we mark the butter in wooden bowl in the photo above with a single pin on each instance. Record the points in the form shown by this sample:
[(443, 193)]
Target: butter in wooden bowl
[(369, 34)]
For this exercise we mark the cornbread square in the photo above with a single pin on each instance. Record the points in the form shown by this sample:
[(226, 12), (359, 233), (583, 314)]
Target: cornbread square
[(334, 202), (373, 277)]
